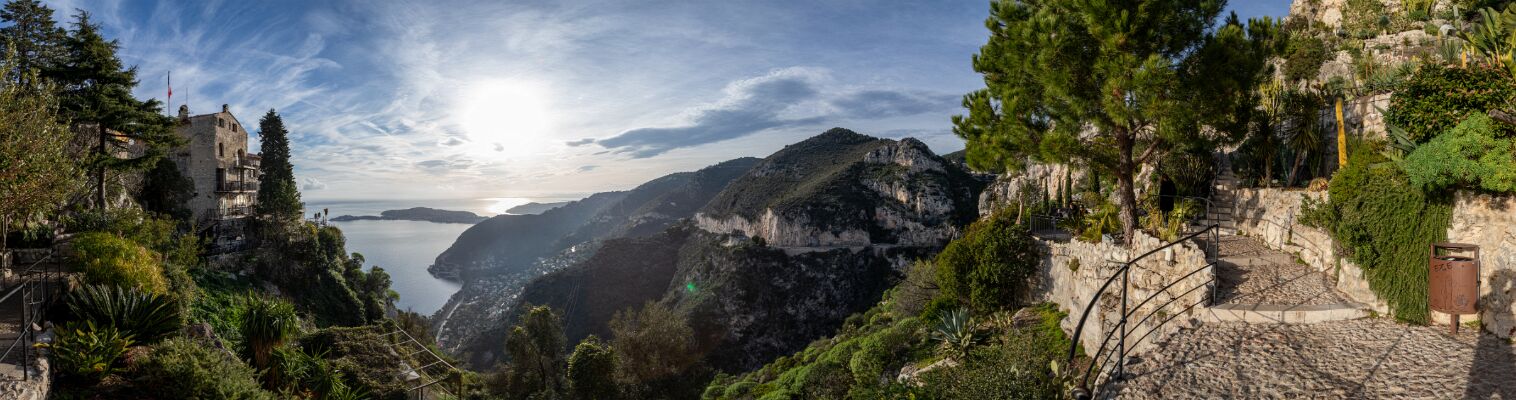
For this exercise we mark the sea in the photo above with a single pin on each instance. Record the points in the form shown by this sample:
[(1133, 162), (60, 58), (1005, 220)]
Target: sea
[(405, 248)]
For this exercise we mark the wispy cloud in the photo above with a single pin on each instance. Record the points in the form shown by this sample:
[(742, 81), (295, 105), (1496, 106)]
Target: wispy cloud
[(371, 91)]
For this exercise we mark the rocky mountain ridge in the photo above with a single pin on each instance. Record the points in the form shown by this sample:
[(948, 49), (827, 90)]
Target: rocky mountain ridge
[(801, 240)]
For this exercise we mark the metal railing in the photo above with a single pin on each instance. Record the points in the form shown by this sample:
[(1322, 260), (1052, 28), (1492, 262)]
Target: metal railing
[(442, 371), (33, 295), (236, 186), (1096, 374), (233, 212)]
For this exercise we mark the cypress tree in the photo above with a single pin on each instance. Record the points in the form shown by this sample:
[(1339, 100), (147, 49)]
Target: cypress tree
[(277, 194)]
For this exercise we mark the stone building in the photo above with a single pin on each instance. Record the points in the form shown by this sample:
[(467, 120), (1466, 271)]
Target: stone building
[(216, 159)]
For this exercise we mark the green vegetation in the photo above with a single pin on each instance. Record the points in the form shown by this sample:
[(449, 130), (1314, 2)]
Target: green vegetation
[(1469, 156), (265, 325), (1306, 54), (954, 334), (591, 370), (278, 193), (113, 260), (536, 349), (146, 317), (1493, 38), (1018, 365), (1385, 223), (1049, 100), (1439, 97), (88, 352), (991, 265), (36, 172), (192, 369), (654, 348)]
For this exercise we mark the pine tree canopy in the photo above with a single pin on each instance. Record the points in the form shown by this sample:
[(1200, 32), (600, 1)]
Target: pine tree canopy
[(1110, 85)]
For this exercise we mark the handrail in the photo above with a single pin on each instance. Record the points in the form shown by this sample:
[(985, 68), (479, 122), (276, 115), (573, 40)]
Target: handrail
[(1127, 312), (31, 308), (419, 391)]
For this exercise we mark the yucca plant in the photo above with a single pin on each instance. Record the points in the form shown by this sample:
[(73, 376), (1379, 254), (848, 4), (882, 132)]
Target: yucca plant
[(954, 333), (266, 324), (88, 351), (145, 316)]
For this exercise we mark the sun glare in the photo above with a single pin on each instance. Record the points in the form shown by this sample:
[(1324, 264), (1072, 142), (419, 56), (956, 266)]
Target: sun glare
[(507, 118)]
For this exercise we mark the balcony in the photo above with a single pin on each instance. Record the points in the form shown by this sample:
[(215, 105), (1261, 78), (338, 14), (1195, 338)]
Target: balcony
[(233, 212), (236, 186)]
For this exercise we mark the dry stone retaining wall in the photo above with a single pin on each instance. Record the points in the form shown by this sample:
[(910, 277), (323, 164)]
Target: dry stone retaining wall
[(1272, 215), (1074, 271)]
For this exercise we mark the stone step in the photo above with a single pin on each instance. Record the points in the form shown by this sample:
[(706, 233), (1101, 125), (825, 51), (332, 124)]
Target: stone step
[(1286, 314)]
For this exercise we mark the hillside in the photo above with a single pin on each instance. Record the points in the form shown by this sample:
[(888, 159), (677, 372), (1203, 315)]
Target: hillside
[(500, 255), (834, 210)]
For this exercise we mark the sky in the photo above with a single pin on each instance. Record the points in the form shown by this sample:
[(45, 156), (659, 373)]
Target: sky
[(445, 99)]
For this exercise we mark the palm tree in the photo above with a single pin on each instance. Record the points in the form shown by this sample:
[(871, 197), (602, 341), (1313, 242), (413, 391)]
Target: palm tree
[(266, 324)]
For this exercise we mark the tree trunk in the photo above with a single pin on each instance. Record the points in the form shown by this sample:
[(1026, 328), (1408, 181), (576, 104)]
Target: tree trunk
[(1126, 191), (1294, 168)]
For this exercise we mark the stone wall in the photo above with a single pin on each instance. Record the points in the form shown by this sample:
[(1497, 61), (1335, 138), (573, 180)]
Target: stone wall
[(1072, 272), (1488, 221)]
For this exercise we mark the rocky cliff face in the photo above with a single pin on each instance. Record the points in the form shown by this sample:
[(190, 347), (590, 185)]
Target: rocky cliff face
[(806, 237), (496, 258)]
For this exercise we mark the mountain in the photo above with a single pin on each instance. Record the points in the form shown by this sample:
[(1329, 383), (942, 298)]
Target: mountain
[(799, 241), (418, 214), (535, 207), (496, 258)]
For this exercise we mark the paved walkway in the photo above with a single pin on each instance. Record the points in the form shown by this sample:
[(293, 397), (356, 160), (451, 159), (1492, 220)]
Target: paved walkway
[(1244, 353), (1365, 358), (1251, 273)]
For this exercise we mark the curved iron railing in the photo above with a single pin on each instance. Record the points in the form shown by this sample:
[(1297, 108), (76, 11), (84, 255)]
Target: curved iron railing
[(34, 294), (1095, 374)]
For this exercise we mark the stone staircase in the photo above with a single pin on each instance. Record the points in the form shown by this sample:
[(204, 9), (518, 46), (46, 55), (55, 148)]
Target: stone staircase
[(1258, 284), (1223, 197)]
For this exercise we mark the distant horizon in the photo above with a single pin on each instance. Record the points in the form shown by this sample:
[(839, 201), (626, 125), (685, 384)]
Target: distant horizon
[(393, 99)]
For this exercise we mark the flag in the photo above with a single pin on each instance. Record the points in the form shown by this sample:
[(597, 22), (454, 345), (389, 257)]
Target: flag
[(171, 87)]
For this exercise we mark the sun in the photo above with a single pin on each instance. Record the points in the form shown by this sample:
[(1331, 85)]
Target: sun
[(507, 118)]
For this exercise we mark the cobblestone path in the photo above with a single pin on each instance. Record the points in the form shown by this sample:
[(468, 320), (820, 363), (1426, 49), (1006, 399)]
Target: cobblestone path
[(1251, 273), (1359, 359)]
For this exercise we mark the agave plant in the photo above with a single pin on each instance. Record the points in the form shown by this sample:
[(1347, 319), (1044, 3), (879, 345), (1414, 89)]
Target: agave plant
[(266, 324), (955, 333), (145, 316)]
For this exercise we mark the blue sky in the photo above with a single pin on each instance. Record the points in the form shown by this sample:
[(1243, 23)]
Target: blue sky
[(448, 99)]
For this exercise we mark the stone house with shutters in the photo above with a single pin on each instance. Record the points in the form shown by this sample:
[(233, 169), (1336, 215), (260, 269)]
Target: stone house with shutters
[(216, 158)]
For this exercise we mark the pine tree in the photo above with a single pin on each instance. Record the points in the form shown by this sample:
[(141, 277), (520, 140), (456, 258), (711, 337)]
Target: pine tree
[(277, 194), (33, 36), (96, 94), (1111, 86)]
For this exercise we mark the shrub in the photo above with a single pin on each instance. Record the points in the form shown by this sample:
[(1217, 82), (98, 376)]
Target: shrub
[(1307, 53), (1469, 155), (190, 369), (914, 292), (1437, 97), (266, 324), (591, 370), (991, 266), (87, 351), (1018, 367), (1385, 224), (146, 317), (110, 259)]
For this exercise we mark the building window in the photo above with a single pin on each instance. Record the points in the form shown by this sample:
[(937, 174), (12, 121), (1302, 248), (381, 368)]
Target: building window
[(220, 149), (234, 127), (239, 154), (220, 122)]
